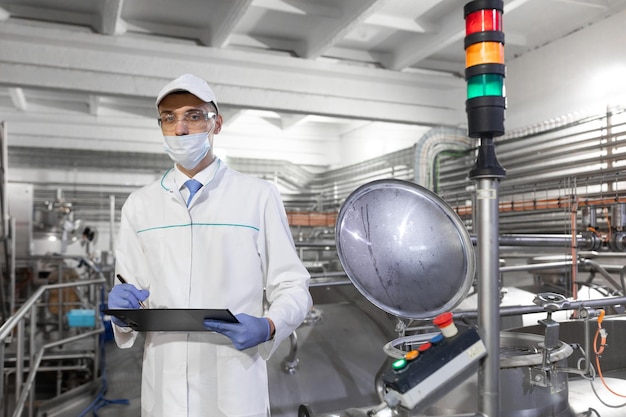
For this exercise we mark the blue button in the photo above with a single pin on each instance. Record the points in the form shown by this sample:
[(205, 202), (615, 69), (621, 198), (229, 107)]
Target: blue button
[(437, 339)]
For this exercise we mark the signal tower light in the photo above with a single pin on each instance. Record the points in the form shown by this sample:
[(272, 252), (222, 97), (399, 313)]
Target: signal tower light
[(484, 68)]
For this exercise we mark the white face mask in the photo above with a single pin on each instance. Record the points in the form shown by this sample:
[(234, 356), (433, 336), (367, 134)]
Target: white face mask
[(187, 150)]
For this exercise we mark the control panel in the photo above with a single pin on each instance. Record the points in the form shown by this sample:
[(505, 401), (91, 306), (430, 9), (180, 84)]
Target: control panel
[(441, 362)]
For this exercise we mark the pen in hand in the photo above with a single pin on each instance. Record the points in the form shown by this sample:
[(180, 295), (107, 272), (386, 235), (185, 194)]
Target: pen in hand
[(123, 281)]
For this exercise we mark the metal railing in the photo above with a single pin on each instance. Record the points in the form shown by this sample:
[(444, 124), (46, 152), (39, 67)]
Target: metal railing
[(16, 325)]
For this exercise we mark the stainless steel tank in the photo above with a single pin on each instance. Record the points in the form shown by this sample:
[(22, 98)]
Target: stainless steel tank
[(410, 255), (521, 394)]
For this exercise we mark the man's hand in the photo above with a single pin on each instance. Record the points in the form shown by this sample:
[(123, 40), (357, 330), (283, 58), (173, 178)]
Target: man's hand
[(124, 296), (249, 332)]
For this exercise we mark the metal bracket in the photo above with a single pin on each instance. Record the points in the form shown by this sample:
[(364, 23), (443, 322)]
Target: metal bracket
[(543, 378)]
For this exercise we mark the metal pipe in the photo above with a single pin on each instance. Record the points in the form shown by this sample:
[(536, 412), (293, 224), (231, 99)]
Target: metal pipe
[(2, 373), (19, 405), (568, 305), (59, 357), (61, 368), (18, 320), (328, 274), (598, 268), (544, 240), (19, 356), (595, 254), (290, 363), (488, 295), (328, 283), (535, 267), (534, 240), (432, 143), (522, 178), (574, 246), (585, 371), (12, 295), (31, 355), (112, 223), (603, 270), (10, 324), (60, 298), (316, 244)]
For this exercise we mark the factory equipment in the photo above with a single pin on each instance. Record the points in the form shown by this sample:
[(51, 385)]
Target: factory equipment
[(55, 226), (406, 257), (527, 372), (409, 254), (433, 367), (52, 342)]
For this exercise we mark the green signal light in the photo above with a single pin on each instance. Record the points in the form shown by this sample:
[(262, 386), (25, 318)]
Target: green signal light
[(398, 364), (485, 85)]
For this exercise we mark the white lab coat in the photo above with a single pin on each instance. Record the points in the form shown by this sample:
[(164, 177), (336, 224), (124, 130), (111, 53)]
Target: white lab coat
[(231, 244)]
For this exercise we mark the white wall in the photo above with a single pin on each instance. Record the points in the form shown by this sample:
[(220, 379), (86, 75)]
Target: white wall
[(585, 71), (256, 137), (376, 139), (326, 145)]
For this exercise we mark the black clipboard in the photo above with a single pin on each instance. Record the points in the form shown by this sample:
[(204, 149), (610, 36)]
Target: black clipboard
[(170, 319)]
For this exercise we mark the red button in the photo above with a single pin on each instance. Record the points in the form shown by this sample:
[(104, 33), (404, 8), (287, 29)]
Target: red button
[(424, 347), (443, 320)]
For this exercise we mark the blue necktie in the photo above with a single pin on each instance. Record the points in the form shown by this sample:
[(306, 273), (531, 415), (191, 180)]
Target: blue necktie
[(193, 186)]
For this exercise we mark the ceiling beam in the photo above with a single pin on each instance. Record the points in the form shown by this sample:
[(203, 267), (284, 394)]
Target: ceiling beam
[(450, 31), (395, 22), (331, 31), (102, 65), (18, 98), (94, 104), (108, 21), (51, 14), (224, 22)]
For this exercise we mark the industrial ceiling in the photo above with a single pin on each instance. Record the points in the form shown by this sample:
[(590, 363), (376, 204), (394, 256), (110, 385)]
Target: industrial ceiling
[(82, 75)]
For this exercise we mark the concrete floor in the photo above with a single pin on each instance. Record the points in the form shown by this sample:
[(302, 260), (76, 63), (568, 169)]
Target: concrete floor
[(339, 357)]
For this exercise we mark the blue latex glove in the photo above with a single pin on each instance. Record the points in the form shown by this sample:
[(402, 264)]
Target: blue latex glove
[(249, 332), (125, 296)]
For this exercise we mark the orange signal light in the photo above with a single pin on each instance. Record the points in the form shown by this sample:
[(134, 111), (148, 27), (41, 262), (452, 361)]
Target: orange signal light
[(484, 53)]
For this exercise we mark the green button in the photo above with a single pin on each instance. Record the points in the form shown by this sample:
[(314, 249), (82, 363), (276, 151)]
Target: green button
[(399, 364)]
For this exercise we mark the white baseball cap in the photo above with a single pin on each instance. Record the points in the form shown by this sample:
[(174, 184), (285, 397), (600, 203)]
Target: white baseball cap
[(194, 85)]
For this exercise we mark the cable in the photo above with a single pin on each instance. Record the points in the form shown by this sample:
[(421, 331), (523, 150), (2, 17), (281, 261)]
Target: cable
[(598, 350), (593, 388), (600, 332), (579, 366), (604, 382)]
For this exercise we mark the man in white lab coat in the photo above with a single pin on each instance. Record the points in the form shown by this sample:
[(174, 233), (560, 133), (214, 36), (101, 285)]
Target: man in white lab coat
[(227, 245)]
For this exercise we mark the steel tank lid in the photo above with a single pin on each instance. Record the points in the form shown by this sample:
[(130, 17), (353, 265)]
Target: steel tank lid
[(404, 249)]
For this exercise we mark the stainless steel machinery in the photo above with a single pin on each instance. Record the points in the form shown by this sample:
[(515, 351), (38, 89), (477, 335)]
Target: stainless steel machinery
[(409, 254)]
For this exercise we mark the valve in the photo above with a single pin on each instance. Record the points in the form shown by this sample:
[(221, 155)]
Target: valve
[(550, 302)]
